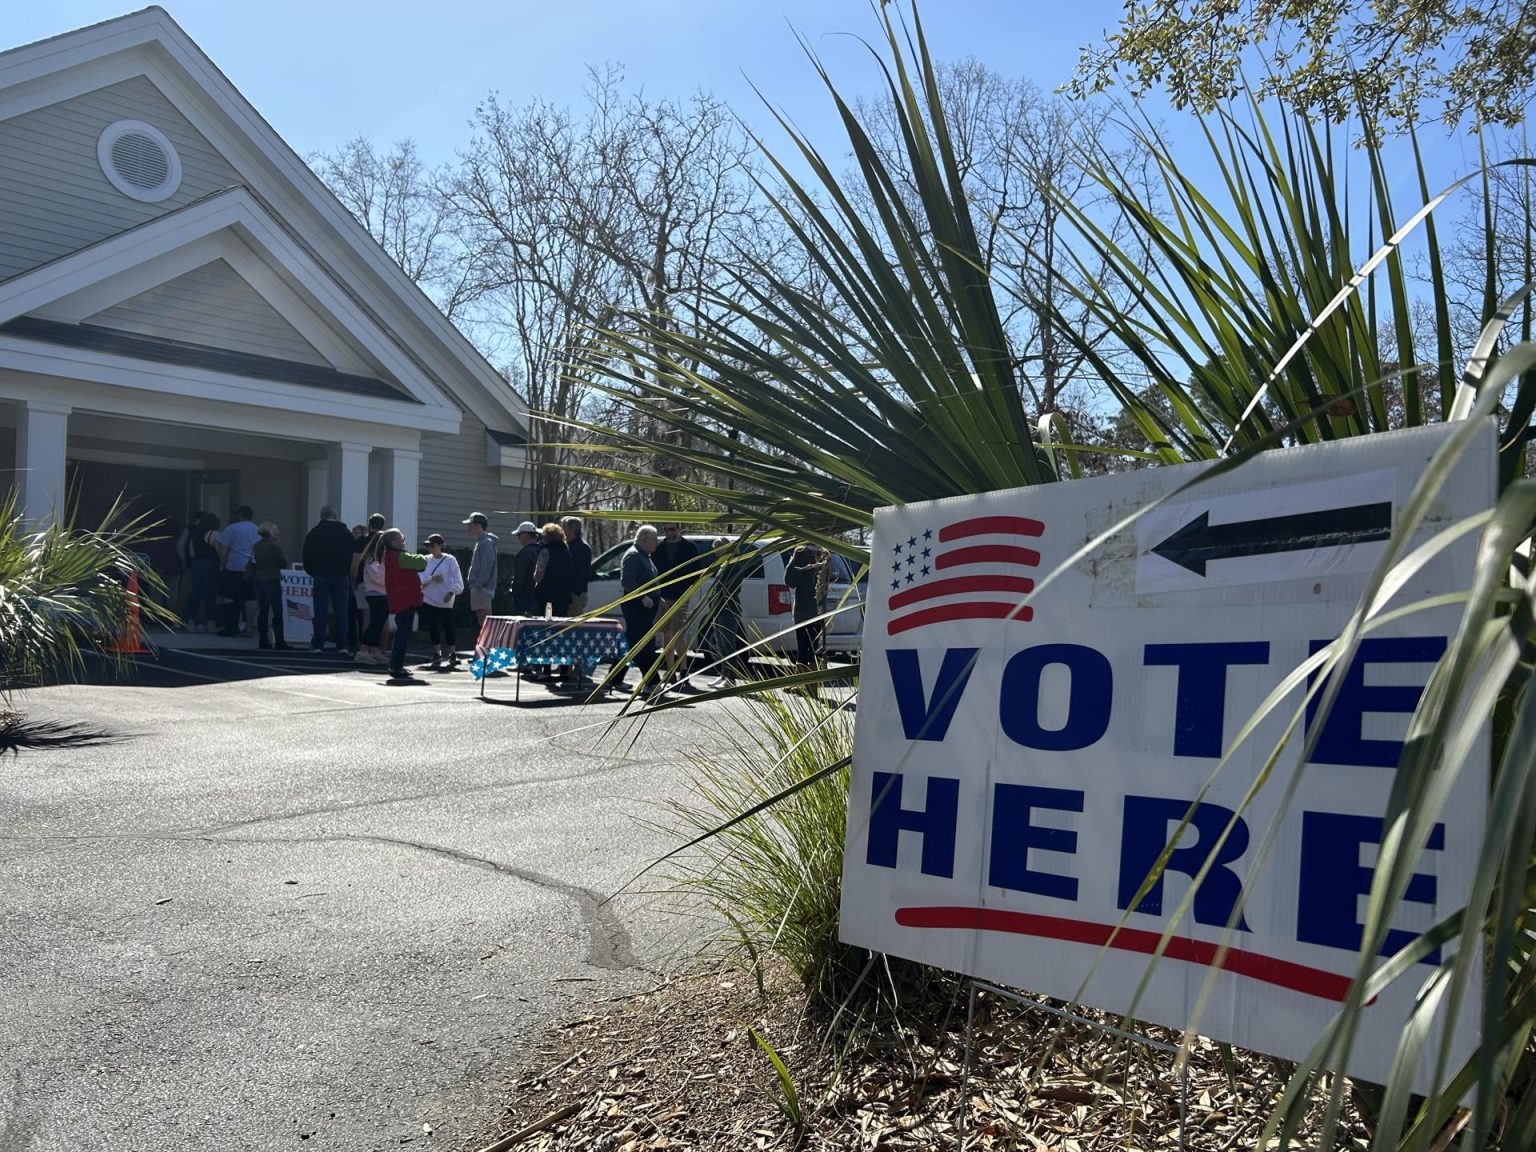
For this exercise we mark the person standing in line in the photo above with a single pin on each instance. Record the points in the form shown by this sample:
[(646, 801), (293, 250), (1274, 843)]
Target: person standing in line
[(235, 544), (581, 560), (402, 581), (376, 596), (481, 580), (523, 564), (441, 582), (553, 575), (202, 608), (638, 570), (267, 578), (354, 590), (677, 559), (727, 644), (327, 559)]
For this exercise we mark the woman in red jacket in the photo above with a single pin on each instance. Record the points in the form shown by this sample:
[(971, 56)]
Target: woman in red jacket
[(402, 587)]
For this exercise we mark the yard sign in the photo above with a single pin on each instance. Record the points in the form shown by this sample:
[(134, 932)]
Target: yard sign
[(1015, 779)]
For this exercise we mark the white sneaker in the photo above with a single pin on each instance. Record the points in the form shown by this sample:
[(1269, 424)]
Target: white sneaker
[(720, 682)]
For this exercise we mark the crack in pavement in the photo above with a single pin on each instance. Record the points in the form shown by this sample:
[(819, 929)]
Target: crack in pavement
[(609, 945), (608, 941)]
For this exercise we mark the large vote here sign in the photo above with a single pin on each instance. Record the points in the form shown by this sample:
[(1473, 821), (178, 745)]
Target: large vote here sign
[(1015, 779)]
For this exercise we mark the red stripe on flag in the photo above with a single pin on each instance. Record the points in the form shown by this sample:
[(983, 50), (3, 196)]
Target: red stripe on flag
[(992, 526), (1317, 982), (956, 585), (988, 554), (967, 611)]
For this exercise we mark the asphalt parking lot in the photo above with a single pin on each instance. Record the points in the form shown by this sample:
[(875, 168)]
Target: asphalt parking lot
[(290, 905)]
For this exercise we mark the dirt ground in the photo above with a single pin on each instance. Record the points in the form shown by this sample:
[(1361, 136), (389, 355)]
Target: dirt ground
[(681, 1067)]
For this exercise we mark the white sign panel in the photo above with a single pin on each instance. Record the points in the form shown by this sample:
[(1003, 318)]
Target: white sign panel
[(1017, 774), (298, 605)]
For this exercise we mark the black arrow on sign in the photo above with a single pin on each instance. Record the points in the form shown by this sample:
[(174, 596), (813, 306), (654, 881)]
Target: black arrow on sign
[(1200, 541)]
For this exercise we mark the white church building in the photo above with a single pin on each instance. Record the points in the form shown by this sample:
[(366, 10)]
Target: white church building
[(190, 319)]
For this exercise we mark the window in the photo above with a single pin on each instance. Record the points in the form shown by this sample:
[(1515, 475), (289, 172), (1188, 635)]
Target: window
[(139, 161), (609, 566)]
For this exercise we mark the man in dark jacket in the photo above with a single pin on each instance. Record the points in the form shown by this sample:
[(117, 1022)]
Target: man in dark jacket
[(677, 558), (523, 564), (327, 559), (581, 560), (638, 570)]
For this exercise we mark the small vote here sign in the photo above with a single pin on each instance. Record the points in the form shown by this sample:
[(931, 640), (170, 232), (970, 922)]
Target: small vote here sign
[(1018, 773)]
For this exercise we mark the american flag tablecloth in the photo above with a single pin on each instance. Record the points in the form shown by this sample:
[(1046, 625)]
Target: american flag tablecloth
[(519, 641)]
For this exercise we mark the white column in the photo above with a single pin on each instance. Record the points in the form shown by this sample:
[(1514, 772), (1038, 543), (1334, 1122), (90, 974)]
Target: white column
[(347, 481), (405, 493), (42, 432), (317, 492)]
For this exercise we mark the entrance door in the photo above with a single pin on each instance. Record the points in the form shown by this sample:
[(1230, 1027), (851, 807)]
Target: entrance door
[(216, 493)]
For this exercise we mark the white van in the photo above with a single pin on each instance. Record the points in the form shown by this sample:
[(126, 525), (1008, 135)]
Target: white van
[(767, 604)]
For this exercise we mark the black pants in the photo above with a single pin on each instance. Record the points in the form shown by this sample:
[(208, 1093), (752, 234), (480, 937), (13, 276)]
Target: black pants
[(405, 624), (439, 622), (637, 622), (378, 613), (269, 602), (808, 638)]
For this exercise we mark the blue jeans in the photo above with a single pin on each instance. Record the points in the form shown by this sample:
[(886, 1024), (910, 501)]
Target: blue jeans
[(202, 605), (331, 598)]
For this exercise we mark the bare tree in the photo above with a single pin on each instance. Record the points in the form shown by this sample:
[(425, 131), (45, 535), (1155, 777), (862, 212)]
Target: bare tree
[(1022, 154), (586, 222), (402, 204)]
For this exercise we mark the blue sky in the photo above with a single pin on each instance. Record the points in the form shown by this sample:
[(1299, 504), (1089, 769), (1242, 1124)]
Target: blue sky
[(322, 71)]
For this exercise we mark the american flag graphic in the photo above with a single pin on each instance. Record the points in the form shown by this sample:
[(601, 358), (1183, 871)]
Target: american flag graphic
[(968, 570)]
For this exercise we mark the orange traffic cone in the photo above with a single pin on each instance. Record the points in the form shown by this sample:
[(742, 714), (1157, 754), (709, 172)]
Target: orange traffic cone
[(130, 639)]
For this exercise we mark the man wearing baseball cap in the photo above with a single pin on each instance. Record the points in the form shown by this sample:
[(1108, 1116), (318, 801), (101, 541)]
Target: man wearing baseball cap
[(523, 564), (481, 581)]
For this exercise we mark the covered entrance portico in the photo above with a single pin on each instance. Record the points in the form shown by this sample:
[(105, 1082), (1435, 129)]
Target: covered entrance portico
[(209, 343), (82, 457)]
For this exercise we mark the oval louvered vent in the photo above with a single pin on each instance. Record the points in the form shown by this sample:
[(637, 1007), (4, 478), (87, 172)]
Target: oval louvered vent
[(139, 160)]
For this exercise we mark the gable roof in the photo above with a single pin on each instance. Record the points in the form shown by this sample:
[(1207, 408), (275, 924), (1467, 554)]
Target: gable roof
[(72, 287), (150, 43)]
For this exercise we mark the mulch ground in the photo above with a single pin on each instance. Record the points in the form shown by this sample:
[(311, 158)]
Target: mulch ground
[(680, 1068)]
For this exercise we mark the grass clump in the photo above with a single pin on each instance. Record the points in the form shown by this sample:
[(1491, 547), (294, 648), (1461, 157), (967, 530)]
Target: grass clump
[(774, 877)]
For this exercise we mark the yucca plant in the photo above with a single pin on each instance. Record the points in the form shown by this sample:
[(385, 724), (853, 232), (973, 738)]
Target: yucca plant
[(1259, 324), (64, 596)]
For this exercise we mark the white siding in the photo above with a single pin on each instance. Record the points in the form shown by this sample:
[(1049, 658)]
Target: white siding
[(214, 306), (455, 481), (53, 197)]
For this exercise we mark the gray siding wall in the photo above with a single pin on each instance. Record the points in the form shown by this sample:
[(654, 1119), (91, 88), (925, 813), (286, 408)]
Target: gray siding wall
[(275, 490), (211, 305), (455, 482), (54, 198)]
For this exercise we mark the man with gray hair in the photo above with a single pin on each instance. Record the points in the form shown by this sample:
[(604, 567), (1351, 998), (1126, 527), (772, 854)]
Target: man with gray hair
[(581, 560), (640, 613), (327, 559)]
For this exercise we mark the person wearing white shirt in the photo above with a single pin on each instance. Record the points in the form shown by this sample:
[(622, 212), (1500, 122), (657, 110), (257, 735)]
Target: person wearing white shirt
[(235, 544), (441, 581)]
